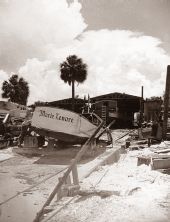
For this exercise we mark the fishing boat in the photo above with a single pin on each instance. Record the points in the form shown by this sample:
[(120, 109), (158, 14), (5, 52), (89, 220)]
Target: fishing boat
[(64, 125)]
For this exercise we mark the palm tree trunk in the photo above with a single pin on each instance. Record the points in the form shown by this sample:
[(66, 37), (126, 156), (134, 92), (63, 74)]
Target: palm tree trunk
[(73, 95)]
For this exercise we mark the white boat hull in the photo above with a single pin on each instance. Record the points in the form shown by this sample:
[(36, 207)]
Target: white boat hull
[(62, 124)]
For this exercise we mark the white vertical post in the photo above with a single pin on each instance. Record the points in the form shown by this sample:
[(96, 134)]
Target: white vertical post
[(75, 174)]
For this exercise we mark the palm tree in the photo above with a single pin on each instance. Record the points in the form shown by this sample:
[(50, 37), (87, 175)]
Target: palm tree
[(16, 89), (73, 70)]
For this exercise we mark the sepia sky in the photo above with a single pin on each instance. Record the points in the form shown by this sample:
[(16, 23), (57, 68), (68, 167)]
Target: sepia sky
[(151, 17), (125, 43)]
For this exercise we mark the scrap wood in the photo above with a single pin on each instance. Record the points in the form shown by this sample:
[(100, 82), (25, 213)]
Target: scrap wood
[(130, 131), (105, 129), (101, 193), (165, 156), (160, 163), (140, 142), (150, 158), (154, 156), (162, 151)]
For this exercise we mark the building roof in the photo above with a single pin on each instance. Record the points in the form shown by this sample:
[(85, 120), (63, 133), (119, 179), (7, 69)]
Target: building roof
[(110, 96), (66, 101), (116, 96)]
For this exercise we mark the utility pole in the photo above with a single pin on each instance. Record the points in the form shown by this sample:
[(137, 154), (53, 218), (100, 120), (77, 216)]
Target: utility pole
[(141, 106), (166, 102), (73, 95)]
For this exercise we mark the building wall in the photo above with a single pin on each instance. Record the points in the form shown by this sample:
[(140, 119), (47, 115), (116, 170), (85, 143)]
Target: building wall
[(152, 109), (118, 106)]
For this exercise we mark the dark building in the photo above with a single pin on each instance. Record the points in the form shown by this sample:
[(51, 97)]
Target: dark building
[(117, 105), (67, 104), (152, 109)]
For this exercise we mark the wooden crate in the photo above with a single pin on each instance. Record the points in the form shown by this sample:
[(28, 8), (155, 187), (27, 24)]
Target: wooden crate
[(161, 164), (30, 141)]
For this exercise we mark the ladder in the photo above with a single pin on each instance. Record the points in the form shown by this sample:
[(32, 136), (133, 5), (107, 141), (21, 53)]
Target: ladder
[(104, 114)]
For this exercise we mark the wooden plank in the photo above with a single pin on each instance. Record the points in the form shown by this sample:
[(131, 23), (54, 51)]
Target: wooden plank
[(143, 160), (160, 164), (162, 151), (148, 159), (75, 174), (105, 129)]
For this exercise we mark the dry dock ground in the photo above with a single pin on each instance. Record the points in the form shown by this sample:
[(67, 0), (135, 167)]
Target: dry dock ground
[(121, 191)]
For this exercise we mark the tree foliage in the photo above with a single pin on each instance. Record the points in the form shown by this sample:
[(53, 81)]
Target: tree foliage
[(154, 98), (16, 89), (73, 70)]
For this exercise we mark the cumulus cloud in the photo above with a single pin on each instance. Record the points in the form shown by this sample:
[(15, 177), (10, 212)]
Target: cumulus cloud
[(44, 83), (118, 60), (123, 61), (30, 27)]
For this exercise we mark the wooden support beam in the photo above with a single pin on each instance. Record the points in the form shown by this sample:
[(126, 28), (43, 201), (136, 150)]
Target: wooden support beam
[(166, 102), (141, 106), (105, 129), (75, 174)]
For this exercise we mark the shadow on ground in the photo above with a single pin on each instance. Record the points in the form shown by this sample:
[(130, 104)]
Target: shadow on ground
[(50, 160), (58, 156)]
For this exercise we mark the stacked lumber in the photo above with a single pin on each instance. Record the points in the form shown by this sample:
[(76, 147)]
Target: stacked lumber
[(158, 160)]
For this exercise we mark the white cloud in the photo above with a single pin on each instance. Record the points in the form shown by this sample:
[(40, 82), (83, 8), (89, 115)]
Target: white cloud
[(117, 60), (44, 83), (123, 61), (30, 27)]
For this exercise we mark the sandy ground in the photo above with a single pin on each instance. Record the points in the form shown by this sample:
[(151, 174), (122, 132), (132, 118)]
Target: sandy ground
[(6, 154), (21, 174), (135, 193)]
